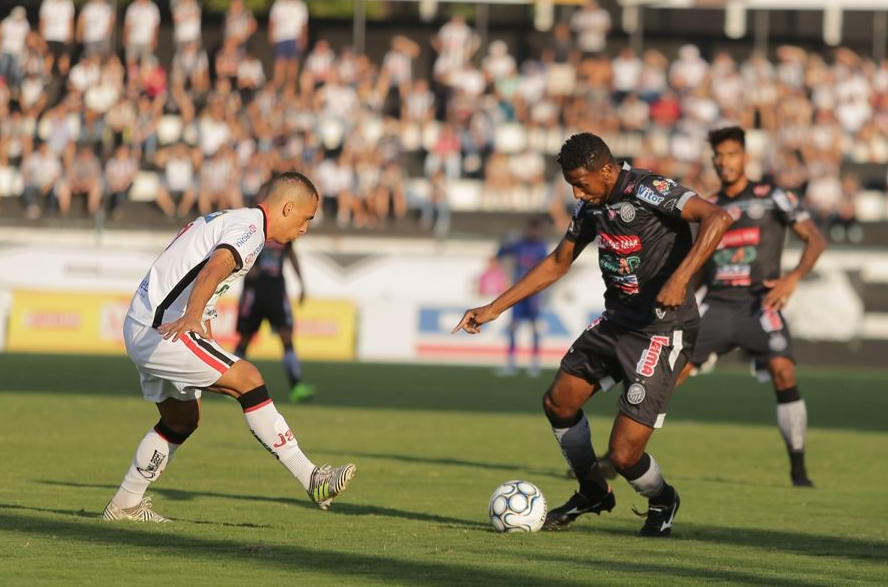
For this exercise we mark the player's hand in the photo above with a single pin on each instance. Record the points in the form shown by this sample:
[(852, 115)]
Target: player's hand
[(180, 327), (672, 294), (779, 291), (473, 319)]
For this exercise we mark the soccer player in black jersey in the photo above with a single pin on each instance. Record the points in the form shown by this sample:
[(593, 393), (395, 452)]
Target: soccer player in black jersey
[(745, 290), (265, 298), (640, 222)]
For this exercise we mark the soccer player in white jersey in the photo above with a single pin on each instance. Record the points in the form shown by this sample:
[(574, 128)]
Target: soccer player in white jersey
[(168, 335)]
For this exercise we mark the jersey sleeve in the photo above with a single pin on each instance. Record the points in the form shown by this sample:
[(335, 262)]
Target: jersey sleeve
[(581, 230), (663, 195), (789, 208), (244, 239)]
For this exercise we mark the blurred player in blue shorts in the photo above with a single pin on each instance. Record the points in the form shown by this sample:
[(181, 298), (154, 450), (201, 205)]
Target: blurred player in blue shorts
[(265, 298), (526, 252)]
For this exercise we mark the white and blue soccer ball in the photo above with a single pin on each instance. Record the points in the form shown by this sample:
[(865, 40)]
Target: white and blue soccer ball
[(517, 506)]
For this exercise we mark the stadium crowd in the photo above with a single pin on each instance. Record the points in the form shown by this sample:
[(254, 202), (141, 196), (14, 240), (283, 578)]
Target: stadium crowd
[(384, 141)]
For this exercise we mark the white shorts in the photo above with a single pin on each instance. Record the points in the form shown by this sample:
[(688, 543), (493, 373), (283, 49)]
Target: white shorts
[(177, 370)]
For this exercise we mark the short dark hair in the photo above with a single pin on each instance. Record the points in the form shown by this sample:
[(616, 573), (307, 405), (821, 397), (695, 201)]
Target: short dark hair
[(292, 179), (729, 133), (584, 150)]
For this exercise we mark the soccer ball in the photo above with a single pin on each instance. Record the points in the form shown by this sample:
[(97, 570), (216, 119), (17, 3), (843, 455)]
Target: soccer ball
[(517, 506)]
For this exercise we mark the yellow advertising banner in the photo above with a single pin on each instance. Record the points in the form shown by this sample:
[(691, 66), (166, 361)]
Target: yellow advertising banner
[(92, 323)]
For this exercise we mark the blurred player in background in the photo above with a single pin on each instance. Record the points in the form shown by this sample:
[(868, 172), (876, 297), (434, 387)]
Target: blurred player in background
[(265, 298), (647, 259), (168, 335), (526, 252), (745, 291)]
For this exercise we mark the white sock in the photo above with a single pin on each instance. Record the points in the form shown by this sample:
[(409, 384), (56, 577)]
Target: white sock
[(271, 429), (152, 457), (792, 419)]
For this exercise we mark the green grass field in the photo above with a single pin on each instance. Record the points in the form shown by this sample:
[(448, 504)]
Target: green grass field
[(431, 443)]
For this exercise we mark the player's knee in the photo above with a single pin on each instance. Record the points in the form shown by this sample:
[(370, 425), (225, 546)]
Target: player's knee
[(623, 455), (783, 374), (184, 424), (249, 377), (558, 412)]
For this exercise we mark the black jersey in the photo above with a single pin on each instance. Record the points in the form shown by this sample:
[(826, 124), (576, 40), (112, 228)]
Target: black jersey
[(750, 251), (641, 242), (269, 267)]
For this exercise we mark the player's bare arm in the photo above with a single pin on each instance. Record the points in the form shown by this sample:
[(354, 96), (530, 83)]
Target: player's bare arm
[(781, 289), (714, 221), (294, 261), (541, 276), (217, 269)]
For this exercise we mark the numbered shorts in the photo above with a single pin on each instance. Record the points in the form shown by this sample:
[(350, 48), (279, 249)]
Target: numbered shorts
[(647, 363), (177, 370), (761, 334), (264, 302)]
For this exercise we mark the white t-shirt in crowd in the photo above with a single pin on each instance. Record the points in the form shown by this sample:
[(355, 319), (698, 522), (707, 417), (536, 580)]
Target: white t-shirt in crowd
[(14, 32), (289, 17), (187, 18), (163, 295), (58, 19), (142, 20), (591, 27), (96, 22)]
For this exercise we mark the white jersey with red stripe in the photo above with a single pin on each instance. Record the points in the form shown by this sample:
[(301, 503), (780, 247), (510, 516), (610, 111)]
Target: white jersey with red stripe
[(163, 295)]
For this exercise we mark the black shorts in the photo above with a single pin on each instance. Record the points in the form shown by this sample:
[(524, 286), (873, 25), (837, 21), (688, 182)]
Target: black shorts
[(264, 301), (647, 363), (725, 326)]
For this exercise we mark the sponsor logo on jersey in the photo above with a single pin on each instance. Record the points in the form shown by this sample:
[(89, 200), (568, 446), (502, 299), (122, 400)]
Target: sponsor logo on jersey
[(246, 236), (734, 212), (635, 394), (761, 190), (151, 471), (734, 256), (618, 265), (741, 237), (597, 321), (663, 185), (212, 216), (249, 258), (777, 342), (650, 357), (648, 195), (737, 275), (626, 283), (629, 188), (660, 313), (755, 210), (627, 212), (620, 244)]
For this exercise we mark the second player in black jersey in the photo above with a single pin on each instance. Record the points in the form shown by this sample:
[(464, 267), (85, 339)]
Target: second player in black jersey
[(639, 221), (745, 290), (265, 298)]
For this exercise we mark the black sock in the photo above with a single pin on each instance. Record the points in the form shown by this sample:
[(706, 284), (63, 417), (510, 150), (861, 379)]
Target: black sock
[(665, 497), (797, 462)]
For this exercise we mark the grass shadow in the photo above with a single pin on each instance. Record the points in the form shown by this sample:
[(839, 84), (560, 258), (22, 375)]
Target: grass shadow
[(341, 566), (767, 539), (342, 508)]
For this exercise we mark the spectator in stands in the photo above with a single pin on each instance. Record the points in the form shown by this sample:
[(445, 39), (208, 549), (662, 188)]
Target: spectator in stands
[(319, 67), (83, 177), (144, 130), (57, 29), (250, 77), (15, 140), (219, 183), (120, 173), (419, 103), (186, 23), (253, 177), (178, 190), (591, 25), (14, 31), (141, 24), (95, 26), (240, 24), (455, 43), (627, 68), (498, 64), (288, 32), (397, 66), (41, 171), (228, 61), (191, 70)]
